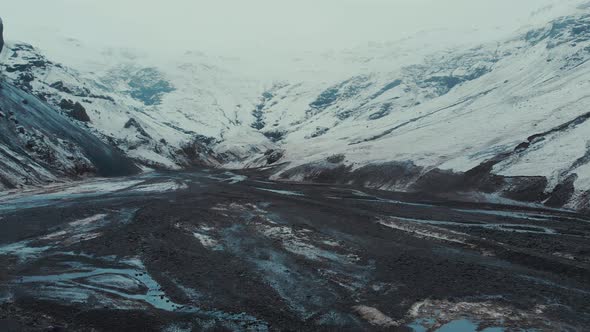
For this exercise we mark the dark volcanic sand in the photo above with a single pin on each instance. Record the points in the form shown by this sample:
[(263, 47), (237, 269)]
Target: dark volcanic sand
[(208, 250)]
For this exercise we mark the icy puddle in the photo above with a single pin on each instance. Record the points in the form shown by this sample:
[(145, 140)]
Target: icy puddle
[(125, 283), (127, 288), (65, 235), (462, 325), (229, 177), (282, 192), (23, 250)]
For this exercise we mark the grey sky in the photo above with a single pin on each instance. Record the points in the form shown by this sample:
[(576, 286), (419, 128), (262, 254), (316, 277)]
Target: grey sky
[(256, 25)]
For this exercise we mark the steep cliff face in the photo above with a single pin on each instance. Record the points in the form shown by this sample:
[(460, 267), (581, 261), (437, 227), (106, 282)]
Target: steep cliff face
[(1, 35)]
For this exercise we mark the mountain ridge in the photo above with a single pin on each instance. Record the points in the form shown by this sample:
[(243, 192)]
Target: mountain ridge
[(501, 119)]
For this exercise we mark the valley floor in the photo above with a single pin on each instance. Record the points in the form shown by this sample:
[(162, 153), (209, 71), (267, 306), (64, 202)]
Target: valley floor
[(208, 249)]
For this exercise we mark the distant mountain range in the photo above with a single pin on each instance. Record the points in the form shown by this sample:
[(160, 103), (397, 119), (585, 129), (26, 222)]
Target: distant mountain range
[(504, 121)]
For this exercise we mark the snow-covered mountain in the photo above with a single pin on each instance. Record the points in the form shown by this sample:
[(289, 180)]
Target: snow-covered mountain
[(506, 119), (39, 145)]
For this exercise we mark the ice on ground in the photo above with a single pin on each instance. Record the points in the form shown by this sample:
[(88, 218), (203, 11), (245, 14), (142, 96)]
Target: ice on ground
[(515, 228), (282, 192), (375, 317), (439, 234), (23, 250), (161, 187), (440, 315), (235, 178), (207, 241), (109, 280)]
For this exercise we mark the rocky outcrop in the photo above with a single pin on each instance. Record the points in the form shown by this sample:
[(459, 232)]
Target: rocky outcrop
[(75, 110), (132, 123), (1, 35)]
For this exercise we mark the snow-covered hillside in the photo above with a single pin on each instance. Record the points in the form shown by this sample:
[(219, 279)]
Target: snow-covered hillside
[(518, 107), (39, 145), (159, 116), (506, 118)]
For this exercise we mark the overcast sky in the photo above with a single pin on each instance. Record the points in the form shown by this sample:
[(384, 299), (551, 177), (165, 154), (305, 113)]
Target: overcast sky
[(256, 25)]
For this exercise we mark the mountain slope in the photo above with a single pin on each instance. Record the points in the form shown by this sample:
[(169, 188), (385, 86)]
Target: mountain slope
[(38, 145), (515, 109), (507, 119)]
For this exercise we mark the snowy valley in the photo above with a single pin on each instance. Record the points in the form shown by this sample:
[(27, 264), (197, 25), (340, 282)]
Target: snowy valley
[(438, 182), (500, 121)]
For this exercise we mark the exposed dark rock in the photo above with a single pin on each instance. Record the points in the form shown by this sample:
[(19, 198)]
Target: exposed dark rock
[(561, 31), (386, 88), (198, 153), (79, 113), (383, 112), (205, 140), (347, 89), (44, 139), (75, 110), (319, 131), (326, 98), (525, 188), (1, 35), (275, 135), (407, 176), (30, 65), (66, 105), (563, 192), (79, 92), (444, 84), (258, 112), (133, 123), (59, 85), (272, 156), (336, 159)]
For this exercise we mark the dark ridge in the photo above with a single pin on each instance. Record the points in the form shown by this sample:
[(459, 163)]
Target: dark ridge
[(133, 123), (386, 88), (1, 35), (407, 176), (563, 192), (347, 89), (275, 135), (76, 110), (258, 112)]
